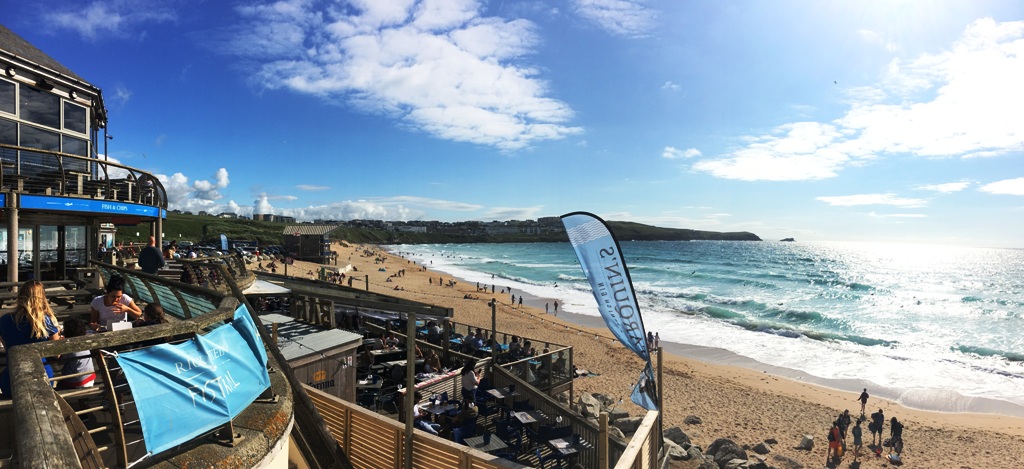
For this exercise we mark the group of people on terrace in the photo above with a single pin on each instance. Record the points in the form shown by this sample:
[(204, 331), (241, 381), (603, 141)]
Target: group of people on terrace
[(33, 320)]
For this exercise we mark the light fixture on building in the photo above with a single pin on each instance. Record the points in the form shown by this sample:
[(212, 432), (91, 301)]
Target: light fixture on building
[(11, 72), (73, 94), (44, 85)]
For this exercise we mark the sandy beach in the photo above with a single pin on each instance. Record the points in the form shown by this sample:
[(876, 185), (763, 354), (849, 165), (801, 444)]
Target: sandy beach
[(743, 404)]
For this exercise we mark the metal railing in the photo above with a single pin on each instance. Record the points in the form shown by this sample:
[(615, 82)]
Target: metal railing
[(43, 172)]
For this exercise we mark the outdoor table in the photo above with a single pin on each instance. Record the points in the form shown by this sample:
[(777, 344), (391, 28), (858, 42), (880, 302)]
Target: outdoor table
[(477, 442), (380, 356), (565, 447), (369, 384), (529, 416), (439, 409)]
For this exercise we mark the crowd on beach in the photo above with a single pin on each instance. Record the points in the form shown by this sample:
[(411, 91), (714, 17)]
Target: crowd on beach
[(837, 441)]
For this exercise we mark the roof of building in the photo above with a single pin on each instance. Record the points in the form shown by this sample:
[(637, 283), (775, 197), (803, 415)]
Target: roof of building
[(14, 44), (308, 229), (297, 339)]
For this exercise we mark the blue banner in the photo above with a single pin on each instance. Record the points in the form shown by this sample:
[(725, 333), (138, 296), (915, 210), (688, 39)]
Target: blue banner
[(185, 390), (605, 268), (645, 393), (74, 204)]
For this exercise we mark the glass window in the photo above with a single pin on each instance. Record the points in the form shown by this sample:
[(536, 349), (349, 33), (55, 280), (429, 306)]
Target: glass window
[(40, 107), (8, 132), (35, 163), (7, 92), (75, 146), (74, 117), (74, 246)]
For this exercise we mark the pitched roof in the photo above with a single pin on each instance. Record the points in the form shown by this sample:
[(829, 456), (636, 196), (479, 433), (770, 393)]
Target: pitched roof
[(14, 44), (308, 229)]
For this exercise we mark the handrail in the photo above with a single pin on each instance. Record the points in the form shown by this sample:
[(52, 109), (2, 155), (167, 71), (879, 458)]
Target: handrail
[(105, 180), (642, 450), (205, 271)]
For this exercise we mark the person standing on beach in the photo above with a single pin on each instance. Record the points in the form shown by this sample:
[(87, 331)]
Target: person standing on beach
[(546, 311), (833, 442), (657, 341), (857, 441), (556, 306), (520, 301), (877, 421), (863, 401), (844, 424), (513, 299)]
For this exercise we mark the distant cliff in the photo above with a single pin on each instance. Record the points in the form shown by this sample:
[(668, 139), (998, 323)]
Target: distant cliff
[(200, 228)]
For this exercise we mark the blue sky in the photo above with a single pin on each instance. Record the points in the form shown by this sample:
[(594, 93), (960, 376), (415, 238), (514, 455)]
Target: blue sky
[(891, 120)]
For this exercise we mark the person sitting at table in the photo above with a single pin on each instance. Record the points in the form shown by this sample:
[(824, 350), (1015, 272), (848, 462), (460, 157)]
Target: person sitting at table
[(378, 343), (76, 362), (433, 333), (419, 416), (151, 316), (478, 340), (467, 416), (32, 321), (112, 306), (391, 342), (515, 347), (432, 363), (560, 364)]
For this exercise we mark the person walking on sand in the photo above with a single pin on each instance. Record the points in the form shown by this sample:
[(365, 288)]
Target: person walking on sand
[(546, 311), (863, 401), (844, 424), (833, 443), (520, 301), (857, 440)]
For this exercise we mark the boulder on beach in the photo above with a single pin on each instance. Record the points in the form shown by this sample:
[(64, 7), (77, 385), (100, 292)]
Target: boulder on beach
[(677, 436), (724, 450)]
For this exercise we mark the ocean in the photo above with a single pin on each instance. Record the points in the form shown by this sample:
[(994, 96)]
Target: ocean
[(932, 327)]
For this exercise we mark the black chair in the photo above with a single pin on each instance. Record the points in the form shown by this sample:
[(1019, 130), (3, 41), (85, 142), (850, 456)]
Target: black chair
[(542, 461), (389, 398), (514, 441)]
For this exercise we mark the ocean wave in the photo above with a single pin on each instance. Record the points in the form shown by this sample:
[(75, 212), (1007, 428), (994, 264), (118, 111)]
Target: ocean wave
[(785, 330), (989, 352), (571, 278)]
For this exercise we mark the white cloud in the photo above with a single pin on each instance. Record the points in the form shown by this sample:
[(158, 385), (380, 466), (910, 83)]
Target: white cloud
[(945, 188), (437, 66), (116, 18), (794, 152), (962, 102), (673, 153), (898, 215), (627, 18), (874, 37), (873, 199), (512, 213), (310, 187), (1005, 187), (670, 86)]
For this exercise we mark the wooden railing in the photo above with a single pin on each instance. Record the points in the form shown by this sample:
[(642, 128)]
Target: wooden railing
[(205, 271), (43, 172), (642, 450), (374, 441)]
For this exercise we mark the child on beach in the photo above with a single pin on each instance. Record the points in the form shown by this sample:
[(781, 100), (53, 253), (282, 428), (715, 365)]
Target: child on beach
[(857, 441)]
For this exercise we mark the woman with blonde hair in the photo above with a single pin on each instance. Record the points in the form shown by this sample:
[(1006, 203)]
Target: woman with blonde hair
[(32, 321)]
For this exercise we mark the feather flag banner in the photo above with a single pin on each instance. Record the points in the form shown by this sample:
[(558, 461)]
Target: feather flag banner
[(605, 268)]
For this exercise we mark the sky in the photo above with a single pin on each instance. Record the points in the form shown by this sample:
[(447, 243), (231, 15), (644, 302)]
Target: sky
[(881, 121)]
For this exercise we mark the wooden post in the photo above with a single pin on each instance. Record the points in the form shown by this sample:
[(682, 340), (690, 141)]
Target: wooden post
[(410, 382), (494, 325), (602, 442), (661, 406), (367, 282)]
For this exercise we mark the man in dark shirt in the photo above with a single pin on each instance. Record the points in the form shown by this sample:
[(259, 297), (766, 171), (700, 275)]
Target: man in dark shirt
[(150, 258)]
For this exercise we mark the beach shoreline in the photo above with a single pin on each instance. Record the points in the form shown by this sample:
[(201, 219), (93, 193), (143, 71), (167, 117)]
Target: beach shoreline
[(734, 399)]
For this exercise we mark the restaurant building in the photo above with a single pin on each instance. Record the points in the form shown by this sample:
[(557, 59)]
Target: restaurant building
[(56, 191)]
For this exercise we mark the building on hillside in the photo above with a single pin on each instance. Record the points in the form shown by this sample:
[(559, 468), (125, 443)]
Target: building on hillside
[(306, 242)]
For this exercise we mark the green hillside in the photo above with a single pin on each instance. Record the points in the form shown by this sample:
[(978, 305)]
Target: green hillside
[(202, 228)]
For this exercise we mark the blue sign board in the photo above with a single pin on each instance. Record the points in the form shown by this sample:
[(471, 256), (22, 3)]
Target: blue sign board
[(71, 204), (3, 200), (182, 391)]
